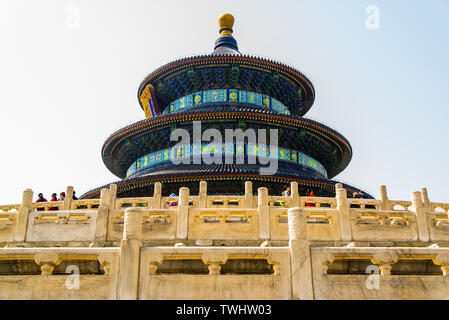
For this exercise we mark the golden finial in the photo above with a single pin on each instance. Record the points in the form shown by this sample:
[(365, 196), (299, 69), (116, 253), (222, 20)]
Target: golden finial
[(226, 21)]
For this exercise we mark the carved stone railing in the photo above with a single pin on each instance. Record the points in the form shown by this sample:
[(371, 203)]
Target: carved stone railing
[(225, 202), (47, 206), (439, 207), (300, 270), (318, 202), (278, 201), (9, 208), (380, 273), (84, 204), (156, 223), (59, 273), (215, 273), (365, 204), (223, 224), (400, 205), (123, 203), (383, 225), (322, 223), (213, 217), (61, 226)]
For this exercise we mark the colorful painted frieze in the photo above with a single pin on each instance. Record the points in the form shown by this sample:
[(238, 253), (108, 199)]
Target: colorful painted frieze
[(230, 95), (198, 97), (264, 151), (250, 149), (284, 154), (294, 156), (240, 149), (233, 95), (243, 96)]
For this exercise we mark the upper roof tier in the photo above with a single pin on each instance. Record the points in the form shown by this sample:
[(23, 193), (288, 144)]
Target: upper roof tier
[(225, 68)]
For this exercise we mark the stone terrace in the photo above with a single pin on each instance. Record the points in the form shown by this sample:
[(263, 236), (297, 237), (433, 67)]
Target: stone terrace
[(225, 247)]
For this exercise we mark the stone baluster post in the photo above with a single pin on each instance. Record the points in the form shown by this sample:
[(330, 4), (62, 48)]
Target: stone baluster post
[(343, 213), (301, 265), (421, 219), (68, 198), (384, 198), (101, 226), (130, 254), (183, 213), (249, 198), (264, 214), (22, 216), (294, 194), (157, 195), (113, 195), (105, 198), (112, 209), (203, 195), (425, 200)]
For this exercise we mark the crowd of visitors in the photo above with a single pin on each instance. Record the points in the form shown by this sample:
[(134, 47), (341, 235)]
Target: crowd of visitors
[(309, 193), (287, 193), (359, 195), (54, 197)]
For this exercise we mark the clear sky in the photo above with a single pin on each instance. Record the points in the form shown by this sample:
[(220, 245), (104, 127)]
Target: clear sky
[(69, 73)]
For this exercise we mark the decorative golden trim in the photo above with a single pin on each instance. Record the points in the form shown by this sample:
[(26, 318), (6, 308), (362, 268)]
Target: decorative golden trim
[(146, 95)]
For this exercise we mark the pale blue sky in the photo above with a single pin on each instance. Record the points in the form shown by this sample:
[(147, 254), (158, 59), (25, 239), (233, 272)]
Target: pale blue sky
[(65, 90)]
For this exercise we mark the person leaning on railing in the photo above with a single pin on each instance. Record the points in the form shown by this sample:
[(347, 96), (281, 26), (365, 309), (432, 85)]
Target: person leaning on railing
[(173, 203), (41, 199), (286, 192), (310, 204), (53, 198), (357, 195)]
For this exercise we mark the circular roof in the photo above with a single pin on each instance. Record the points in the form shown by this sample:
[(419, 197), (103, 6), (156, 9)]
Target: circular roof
[(326, 145), (226, 68)]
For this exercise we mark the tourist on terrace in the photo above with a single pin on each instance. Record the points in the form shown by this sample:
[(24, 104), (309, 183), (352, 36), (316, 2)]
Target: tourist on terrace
[(310, 194), (74, 197), (40, 199), (286, 192), (173, 203), (358, 195), (62, 196), (53, 198)]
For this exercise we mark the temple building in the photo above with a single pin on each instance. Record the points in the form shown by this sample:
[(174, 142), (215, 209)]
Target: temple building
[(226, 90), (174, 228)]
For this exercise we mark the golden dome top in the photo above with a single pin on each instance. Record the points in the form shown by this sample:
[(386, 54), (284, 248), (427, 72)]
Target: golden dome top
[(226, 21)]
